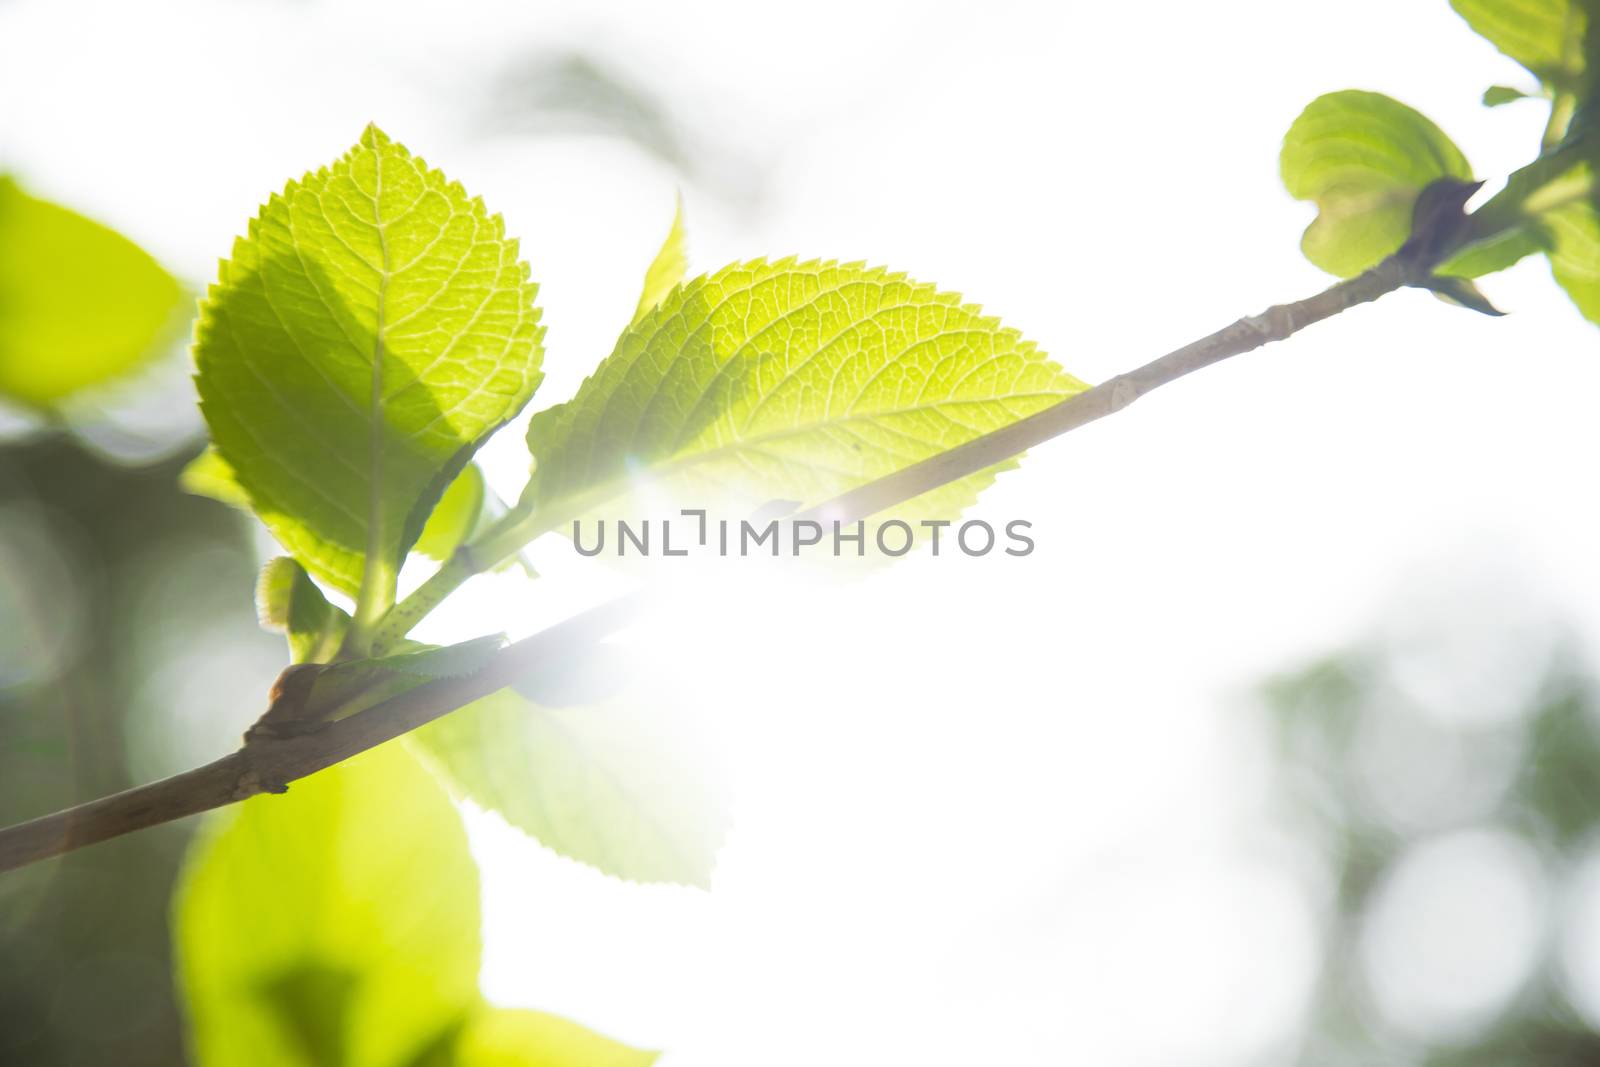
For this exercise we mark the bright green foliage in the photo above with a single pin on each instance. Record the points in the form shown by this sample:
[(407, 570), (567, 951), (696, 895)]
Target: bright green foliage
[(1574, 231), (1498, 252), (209, 475), (1500, 95), (79, 304), (454, 516), (603, 780), (504, 1038), (339, 925), (1550, 204), (369, 333), (289, 602), (785, 379), (1363, 158), (1546, 36), (667, 269)]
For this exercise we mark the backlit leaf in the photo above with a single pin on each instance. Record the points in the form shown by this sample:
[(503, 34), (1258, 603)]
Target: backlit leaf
[(79, 303), (338, 926), (594, 764), (453, 520), (1501, 95), (454, 516), (667, 269), (373, 328), (500, 1037), (209, 475), (1575, 255), (1545, 36), (785, 380), (1362, 158)]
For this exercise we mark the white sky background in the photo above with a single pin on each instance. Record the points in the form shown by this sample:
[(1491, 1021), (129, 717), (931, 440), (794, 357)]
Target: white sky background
[(997, 812)]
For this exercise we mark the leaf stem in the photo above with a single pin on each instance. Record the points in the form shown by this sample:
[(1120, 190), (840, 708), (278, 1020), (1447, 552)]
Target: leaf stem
[(507, 536)]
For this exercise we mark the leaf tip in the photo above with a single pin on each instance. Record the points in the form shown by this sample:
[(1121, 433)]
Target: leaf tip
[(1500, 95)]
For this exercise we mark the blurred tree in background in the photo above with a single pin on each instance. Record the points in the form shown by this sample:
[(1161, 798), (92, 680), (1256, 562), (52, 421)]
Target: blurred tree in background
[(1456, 855), (108, 572)]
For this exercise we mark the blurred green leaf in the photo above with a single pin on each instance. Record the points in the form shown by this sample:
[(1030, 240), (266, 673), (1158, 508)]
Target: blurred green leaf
[(1362, 158), (1503, 250), (1555, 40), (667, 269), (209, 475), (338, 926), (377, 262), (334, 925), (1545, 36), (791, 380), (1574, 231), (1548, 206), (1500, 95), (79, 303), (1558, 790), (1463, 293), (455, 516), (596, 774), (498, 1037)]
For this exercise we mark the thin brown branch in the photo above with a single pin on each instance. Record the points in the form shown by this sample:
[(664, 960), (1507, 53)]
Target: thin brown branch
[(1111, 396), (270, 765)]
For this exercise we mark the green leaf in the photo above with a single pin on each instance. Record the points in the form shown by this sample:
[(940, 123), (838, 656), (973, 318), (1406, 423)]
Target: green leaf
[(455, 516), (1463, 293), (1545, 36), (500, 1037), (1548, 206), (79, 303), (1498, 252), (667, 269), (1575, 255), (369, 333), (603, 777), (336, 924), (1362, 158), (288, 602), (209, 475), (785, 380), (1500, 95)]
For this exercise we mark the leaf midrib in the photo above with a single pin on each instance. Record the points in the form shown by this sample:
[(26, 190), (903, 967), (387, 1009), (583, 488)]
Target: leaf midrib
[(569, 505), (376, 585)]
